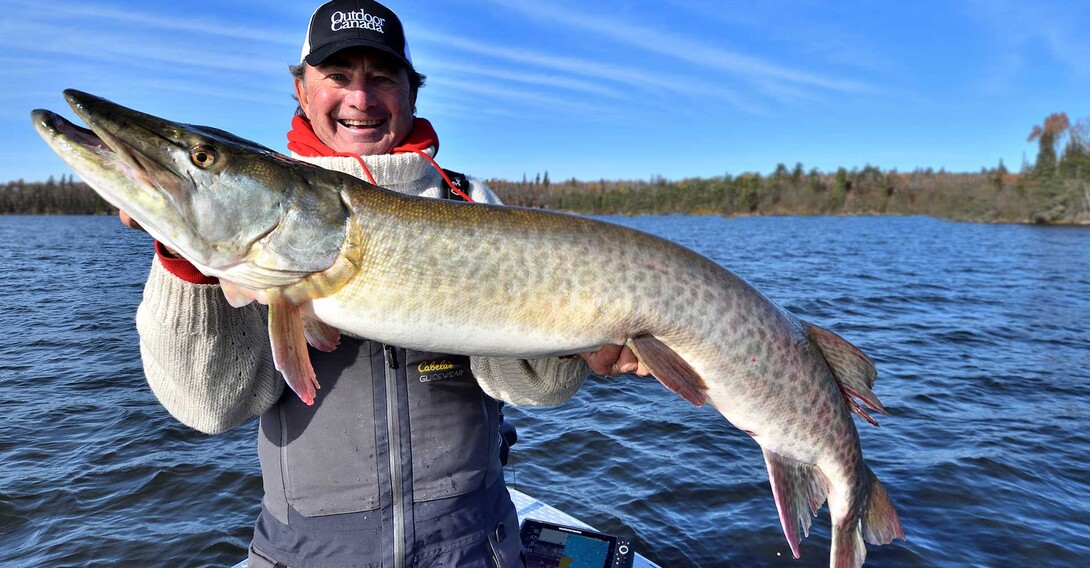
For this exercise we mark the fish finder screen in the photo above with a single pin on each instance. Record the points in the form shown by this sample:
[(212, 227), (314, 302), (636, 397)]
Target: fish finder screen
[(547, 547)]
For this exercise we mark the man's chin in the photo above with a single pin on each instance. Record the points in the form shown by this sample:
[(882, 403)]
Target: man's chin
[(365, 145)]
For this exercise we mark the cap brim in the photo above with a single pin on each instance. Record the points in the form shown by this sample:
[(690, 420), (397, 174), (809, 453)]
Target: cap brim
[(319, 55)]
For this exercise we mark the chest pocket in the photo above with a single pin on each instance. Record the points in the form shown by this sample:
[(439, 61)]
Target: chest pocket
[(452, 425), (321, 459)]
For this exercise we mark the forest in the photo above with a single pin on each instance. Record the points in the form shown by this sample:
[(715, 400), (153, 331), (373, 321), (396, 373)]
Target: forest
[(1054, 189)]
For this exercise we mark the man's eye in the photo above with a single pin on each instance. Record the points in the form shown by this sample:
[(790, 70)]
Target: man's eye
[(339, 77)]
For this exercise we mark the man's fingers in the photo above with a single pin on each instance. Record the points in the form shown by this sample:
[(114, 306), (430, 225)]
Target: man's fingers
[(129, 221), (613, 360), (603, 360), (132, 224), (627, 362)]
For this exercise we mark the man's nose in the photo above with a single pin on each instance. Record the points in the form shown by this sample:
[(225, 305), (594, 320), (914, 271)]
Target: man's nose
[(359, 95)]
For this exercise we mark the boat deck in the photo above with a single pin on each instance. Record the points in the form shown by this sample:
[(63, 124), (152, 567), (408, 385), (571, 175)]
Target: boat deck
[(530, 508)]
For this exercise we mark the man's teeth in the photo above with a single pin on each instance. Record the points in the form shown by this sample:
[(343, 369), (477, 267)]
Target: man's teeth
[(361, 123)]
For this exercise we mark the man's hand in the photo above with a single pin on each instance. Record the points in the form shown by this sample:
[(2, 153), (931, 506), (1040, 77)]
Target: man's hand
[(129, 221), (614, 360), (132, 224)]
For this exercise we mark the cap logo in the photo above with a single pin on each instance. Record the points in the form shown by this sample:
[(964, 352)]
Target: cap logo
[(356, 19)]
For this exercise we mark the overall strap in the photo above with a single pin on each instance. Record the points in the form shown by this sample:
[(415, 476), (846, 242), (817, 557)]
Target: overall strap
[(459, 181)]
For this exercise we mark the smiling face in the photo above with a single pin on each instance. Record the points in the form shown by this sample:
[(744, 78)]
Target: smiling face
[(358, 101)]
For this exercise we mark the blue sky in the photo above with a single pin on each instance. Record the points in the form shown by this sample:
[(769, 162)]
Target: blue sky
[(614, 90)]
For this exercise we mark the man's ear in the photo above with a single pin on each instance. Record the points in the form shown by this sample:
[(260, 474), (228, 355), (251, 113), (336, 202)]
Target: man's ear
[(301, 95)]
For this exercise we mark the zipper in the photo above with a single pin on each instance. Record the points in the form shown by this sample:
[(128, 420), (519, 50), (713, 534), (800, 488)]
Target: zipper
[(391, 356), (393, 432), (284, 475), (495, 555)]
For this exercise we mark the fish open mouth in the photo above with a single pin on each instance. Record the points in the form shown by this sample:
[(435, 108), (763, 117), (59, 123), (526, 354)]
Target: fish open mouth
[(112, 141), (125, 161), (169, 177), (74, 133), (58, 130), (91, 145)]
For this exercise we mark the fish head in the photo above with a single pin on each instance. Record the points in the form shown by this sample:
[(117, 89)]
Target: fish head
[(232, 207)]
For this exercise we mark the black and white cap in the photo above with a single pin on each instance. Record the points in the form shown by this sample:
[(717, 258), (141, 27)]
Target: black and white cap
[(342, 24)]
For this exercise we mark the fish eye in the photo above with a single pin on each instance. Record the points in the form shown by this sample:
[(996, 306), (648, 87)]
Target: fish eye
[(203, 156)]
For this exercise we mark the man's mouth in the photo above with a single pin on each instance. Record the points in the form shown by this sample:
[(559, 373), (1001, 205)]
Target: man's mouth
[(348, 123)]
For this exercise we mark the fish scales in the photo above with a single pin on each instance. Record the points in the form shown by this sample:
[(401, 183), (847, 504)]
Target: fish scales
[(461, 265), (328, 252)]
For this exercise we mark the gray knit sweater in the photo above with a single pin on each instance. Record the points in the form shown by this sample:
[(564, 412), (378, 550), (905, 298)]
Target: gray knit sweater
[(211, 366)]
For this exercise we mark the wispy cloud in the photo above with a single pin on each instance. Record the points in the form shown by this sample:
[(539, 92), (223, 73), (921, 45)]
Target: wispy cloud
[(113, 36), (77, 16), (261, 95), (500, 94), (1060, 28), (1022, 32), (112, 48), (807, 28), (684, 48), (546, 80), (603, 72)]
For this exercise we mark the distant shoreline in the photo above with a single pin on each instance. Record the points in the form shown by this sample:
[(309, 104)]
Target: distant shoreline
[(991, 196)]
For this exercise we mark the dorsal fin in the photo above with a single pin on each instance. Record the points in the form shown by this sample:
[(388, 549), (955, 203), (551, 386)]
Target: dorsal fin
[(670, 369), (854, 372)]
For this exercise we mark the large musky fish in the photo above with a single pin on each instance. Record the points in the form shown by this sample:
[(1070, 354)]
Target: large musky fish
[(327, 252)]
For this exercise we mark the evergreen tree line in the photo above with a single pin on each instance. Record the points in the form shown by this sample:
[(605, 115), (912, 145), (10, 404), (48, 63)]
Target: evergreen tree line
[(67, 196), (1054, 189)]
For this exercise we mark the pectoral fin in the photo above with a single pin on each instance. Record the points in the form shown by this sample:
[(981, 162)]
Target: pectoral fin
[(321, 336), (289, 347), (236, 295), (670, 369)]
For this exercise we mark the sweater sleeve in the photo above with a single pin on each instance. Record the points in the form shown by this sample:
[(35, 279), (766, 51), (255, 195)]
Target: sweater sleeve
[(481, 193), (534, 382), (208, 363)]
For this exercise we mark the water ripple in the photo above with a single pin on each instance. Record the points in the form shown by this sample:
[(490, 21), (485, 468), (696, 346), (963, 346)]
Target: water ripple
[(977, 332)]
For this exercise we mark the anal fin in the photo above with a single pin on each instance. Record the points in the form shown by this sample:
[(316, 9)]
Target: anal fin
[(670, 369), (799, 489), (289, 348)]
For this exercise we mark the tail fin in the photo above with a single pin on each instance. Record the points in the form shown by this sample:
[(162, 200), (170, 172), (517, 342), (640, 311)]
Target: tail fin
[(853, 371), (880, 522), (879, 525)]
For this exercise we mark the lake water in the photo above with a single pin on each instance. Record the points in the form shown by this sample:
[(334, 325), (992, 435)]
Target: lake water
[(979, 333)]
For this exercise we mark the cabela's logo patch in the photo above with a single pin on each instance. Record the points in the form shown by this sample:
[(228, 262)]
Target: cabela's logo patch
[(429, 366), (438, 370)]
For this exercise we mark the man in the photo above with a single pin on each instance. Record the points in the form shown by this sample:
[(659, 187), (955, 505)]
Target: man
[(394, 464)]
